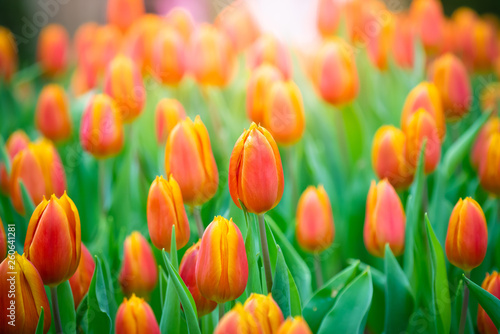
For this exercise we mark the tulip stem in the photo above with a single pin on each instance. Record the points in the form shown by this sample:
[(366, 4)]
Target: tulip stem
[(463, 315), (199, 221), (291, 174), (342, 138), (221, 310), (317, 268), (55, 309), (265, 253)]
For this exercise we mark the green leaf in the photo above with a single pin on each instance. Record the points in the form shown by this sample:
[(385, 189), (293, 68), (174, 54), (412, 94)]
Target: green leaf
[(66, 307), (170, 320), (284, 290), (173, 250), (29, 206), (39, 326), (253, 284), (163, 284), (81, 315), (459, 297), (4, 156), (488, 302), (98, 316)]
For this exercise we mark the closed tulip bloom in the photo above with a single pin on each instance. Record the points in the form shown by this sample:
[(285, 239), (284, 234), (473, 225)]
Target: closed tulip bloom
[(16, 142), (83, 40), (238, 320), (314, 226), (489, 165), (222, 267), (169, 56), (54, 236), (428, 18), (80, 281), (181, 20), (8, 54), (379, 44), (168, 113), (29, 297), (464, 19), (389, 157), (328, 17), (284, 112), (139, 273), (3, 242), (52, 113), (52, 167), (108, 43), (296, 325), (484, 46), (53, 49), (187, 271), (101, 131), (403, 42), (135, 316), (122, 13), (480, 147), (334, 73), (467, 237), (490, 98), (266, 312), (385, 220), (267, 49), (238, 23), (189, 158), (255, 171), (491, 284)]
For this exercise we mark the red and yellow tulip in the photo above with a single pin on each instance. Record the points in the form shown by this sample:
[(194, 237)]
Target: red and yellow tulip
[(135, 316), (80, 281), (168, 113), (491, 284), (52, 116)]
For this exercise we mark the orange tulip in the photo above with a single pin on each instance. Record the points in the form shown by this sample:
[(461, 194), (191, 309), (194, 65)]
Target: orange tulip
[(379, 43), (491, 284), (182, 21), (101, 131), (464, 20), (265, 311), (484, 46), (3, 242), (139, 273), (52, 167), (8, 54), (123, 13), (52, 113), (222, 267), (189, 158), (21, 309), (490, 98), (53, 49), (489, 164), (385, 220), (238, 320), (296, 325), (169, 56), (168, 113), (467, 237), (428, 18), (403, 42), (268, 49), (328, 17), (108, 42), (238, 23), (80, 281), (187, 271), (54, 236), (255, 171), (135, 316), (84, 40), (480, 147), (16, 142), (314, 225)]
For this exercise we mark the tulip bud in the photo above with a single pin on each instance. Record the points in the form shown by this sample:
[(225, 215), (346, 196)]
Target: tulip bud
[(328, 17), (189, 158), (265, 311), (123, 13), (166, 209), (480, 147), (101, 132), (29, 296), (139, 273), (296, 325), (108, 44), (169, 56), (489, 164), (267, 49), (314, 226), (237, 22), (8, 54), (334, 72), (255, 171), (428, 18), (484, 46), (3, 242), (168, 113), (379, 43), (182, 21), (80, 281), (54, 222), (16, 142), (135, 316), (238, 320), (53, 49), (467, 237), (385, 220), (52, 113), (490, 98), (222, 267), (464, 19), (84, 40), (187, 271), (52, 167), (403, 42), (389, 157), (491, 284)]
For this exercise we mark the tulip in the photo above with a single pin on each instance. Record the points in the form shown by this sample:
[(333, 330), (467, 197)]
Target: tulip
[(266, 312), (428, 18), (182, 21), (169, 56), (237, 22), (489, 164), (54, 236), (135, 316), (403, 42), (490, 98), (464, 20), (8, 54), (139, 273), (379, 43), (452, 81), (491, 284), (478, 152), (83, 80), (189, 158), (284, 112), (52, 113), (334, 72), (467, 237), (165, 209), (389, 157), (123, 13), (53, 49), (101, 131), (314, 226), (168, 113), (52, 167), (484, 46), (187, 271), (222, 267), (16, 142), (255, 171), (238, 320), (80, 281), (385, 220), (108, 43), (296, 325), (328, 17), (84, 40), (3, 242), (268, 49), (29, 296)]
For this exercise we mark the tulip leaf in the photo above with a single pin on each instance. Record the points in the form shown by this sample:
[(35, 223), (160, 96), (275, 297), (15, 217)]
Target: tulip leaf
[(4, 156), (81, 315), (350, 311), (66, 307), (170, 320), (459, 297), (41, 320), (163, 283), (284, 290), (173, 250), (488, 302), (99, 316), (29, 206)]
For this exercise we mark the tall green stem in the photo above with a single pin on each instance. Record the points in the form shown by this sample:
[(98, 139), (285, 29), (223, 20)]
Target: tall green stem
[(463, 315), (221, 310), (199, 221), (265, 253), (55, 310), (317, 269)]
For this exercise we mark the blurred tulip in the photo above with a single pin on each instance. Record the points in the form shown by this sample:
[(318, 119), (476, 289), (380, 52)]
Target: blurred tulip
[(52, 167), (334, 72), (82, 80), (3, 242), (166, 209), (238, 23), (428, 18), (135, 316), (168, 113), (403, 42), (255, 171), (101, 131), (490, 98), (80, 281), (314, 225), (328, 17), (284, 112), (182, 21), (189, 158), (108, 42), (296, 325), (484, 46), (489, 165), (53, 49), (448, 42), (123, 13), (8, 54), (52, 113), (29, 297), (467, 237), (187, 271), (363, 18), (480, 147), (169, 56), (385, 220), (222, 267), (54, 237), (491, 284), (268, 49), (379, 43), (16, 142), (266, 312), (238, 320), (84, 39), (464, 19)]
